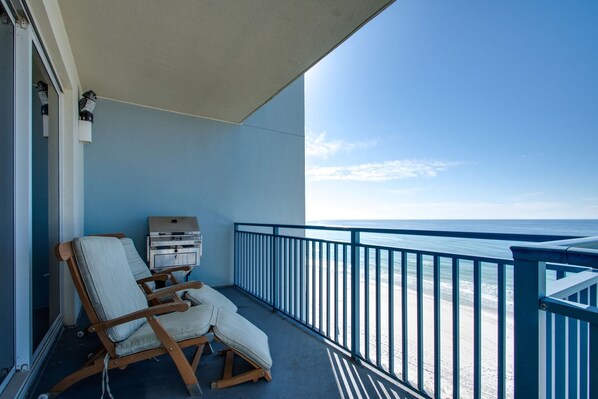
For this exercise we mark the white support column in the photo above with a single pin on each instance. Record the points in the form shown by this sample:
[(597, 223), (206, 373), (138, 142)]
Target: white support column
[(23, 240)]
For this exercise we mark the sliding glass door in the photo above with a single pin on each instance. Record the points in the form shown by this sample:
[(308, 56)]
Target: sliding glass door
[(29, 200), (7, 183)]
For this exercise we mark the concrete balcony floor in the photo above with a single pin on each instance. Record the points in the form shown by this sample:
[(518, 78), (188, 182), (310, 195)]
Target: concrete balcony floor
[(305, 366)]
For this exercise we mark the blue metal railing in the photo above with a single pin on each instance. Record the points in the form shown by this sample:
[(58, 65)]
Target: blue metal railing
[(420, 316)]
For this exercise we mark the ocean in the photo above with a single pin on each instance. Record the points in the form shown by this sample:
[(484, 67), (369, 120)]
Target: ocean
[(487, 248), (473, 247)]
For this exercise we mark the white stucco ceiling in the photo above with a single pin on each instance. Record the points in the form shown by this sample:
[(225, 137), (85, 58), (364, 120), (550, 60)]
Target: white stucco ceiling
[(219, 59)]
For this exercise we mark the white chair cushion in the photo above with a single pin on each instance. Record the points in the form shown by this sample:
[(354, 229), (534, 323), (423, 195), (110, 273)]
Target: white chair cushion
[(138, 266), (193, 323), (108, 280), (208, 295), (240, 334)]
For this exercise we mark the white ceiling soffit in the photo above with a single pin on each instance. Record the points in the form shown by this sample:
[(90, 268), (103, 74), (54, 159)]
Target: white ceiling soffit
[(215, 59)]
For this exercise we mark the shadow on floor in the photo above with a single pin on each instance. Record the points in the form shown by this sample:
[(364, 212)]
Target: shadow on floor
[(304, 366)]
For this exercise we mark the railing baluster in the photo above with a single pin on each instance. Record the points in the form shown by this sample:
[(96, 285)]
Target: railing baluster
[(477, 329), (572, 351), (549, 354), (456, 329), (244, 260), (366, 295), (253, 289), (301, 280), (308, 281), (236, 256), (593, 355), (354, 294), (296, 279), (247, 262), (593, 349), (281, 266), (313, 289), (290, 285), (345, 289), (282, 273), (502, 330), (437, 352), (328, 290), (263, 285), (320, 286), (560, 361), (289, 275), (404, 321), (378, 311), (336, 323), (391, 312), (308, 285), (583, 349), (240, 259), (256, 266), (420, 321)]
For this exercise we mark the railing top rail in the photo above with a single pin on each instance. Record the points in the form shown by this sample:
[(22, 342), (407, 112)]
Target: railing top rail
[(440, 254), (570, 309), (429, 233), (581, 251)]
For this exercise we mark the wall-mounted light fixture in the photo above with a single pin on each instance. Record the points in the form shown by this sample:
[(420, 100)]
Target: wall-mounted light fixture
[(86, 107), (42, 92)]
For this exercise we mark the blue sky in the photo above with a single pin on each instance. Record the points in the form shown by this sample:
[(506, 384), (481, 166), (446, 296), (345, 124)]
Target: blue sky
[(457, 109)]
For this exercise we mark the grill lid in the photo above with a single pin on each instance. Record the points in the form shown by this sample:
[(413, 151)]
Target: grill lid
[(161, 225)]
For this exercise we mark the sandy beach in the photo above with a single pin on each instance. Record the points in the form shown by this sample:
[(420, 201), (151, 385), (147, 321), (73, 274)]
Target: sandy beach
[(489, 341)]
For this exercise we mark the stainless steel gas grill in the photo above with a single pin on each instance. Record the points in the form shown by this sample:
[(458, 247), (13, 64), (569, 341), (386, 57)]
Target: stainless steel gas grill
[(173, 241)]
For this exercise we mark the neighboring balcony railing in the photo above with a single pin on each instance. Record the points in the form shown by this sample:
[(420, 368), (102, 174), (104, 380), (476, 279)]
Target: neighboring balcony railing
[(439, 321), (556, 326)]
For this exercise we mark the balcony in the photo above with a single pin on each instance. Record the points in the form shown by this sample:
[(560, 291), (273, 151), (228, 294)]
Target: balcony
[(362, 312), (305, 366)]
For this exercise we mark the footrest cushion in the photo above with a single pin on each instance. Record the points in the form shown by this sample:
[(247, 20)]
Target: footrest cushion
[(241, 335)]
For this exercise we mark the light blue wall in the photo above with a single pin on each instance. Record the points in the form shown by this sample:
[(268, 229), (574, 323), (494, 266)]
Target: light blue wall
[(145, 162)]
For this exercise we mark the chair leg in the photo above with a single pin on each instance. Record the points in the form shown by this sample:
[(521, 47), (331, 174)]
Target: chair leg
[(176, 353), (229, 380), (88, 370), (197, 356), (185, 370)]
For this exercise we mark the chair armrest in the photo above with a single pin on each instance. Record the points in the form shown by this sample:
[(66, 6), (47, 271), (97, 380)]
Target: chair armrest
[(154, 277), (169, 271), (174, 289), (147, 313)]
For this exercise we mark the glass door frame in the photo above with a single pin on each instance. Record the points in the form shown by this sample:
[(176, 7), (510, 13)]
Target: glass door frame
[(26, 40), (13, 369)]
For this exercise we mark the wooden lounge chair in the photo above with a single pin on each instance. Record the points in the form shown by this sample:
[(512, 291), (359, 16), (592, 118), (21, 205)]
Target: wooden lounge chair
[(205, 295), (130, 330)]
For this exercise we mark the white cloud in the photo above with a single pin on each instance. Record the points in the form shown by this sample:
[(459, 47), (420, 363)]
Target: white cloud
[(408, 190), (526, 196), (359, 208), (379, 171), (317, 146)]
